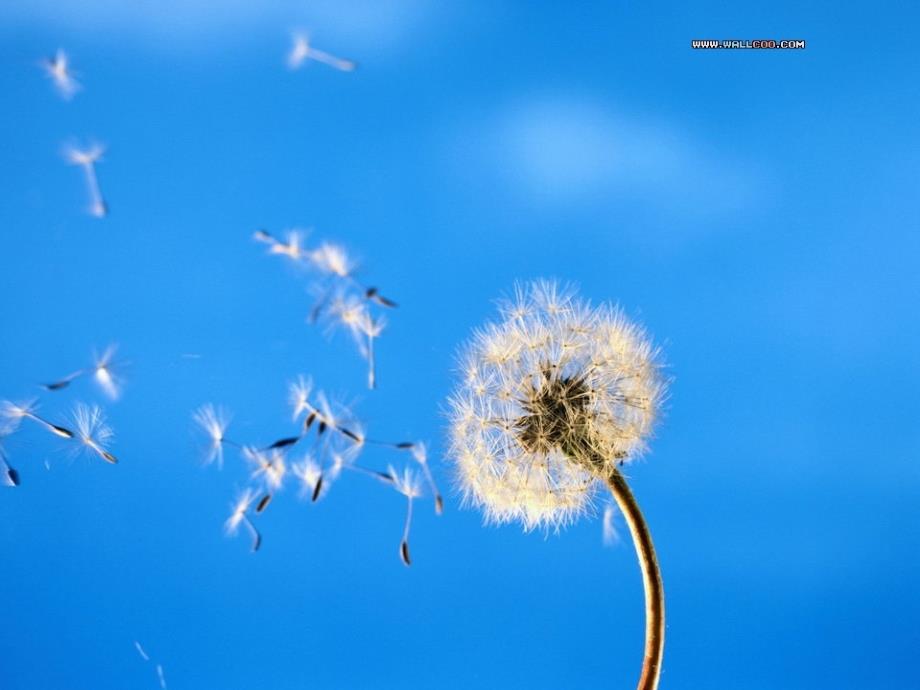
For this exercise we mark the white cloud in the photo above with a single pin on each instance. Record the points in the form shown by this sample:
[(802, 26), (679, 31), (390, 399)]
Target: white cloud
[(564, 151), (374, 26)]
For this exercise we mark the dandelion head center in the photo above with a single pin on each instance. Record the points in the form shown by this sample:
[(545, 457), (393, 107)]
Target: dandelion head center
[(557, 416)]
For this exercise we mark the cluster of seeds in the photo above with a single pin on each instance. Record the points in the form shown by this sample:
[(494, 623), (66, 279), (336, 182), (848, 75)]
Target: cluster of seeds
[(334, 440)]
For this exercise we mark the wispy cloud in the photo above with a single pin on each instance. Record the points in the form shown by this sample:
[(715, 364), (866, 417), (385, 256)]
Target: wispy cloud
[(370, 26), (564, 151)]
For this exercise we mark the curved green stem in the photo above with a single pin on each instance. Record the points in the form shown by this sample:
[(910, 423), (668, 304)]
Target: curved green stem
[(651, 579)]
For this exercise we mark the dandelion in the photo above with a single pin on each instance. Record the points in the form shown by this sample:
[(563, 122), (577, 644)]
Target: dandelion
[(553, 399), (214, 422), (406, 484), (12, 415), (92, 431), (238, 517), (87, 159), (59, 71), (301, 51)]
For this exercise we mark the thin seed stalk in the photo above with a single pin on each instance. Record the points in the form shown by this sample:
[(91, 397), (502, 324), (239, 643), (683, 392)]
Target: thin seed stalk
[(651, 579)]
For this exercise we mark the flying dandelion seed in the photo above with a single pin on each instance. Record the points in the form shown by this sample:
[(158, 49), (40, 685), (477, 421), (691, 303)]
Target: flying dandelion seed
[(12, 415), (214, 422), (269, 467), (419, 452), (353, 314), (10, 477), (406, 484), (301, 51), (554, 397), (140, 650), (59, 71), (239, 517), (87, 159), (105, 372), (292, 249), (92, 431), (310, 474), (299, 397)]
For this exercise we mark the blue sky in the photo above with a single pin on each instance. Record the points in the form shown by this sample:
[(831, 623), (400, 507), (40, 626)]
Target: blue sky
[(756, 210)]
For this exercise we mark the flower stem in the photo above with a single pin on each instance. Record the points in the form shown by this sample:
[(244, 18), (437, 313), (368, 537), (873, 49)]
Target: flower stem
[(651, 579)]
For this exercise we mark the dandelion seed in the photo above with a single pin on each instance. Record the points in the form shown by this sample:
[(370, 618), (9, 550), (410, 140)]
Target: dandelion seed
[(104, 373), (92, 431), (353, 314), (10, 475), (13, 413), (419, 453), (214, 422), (292, 248), (238, 517), (310, 475), (374, 295), (317, 490), (299, 396), (59, 71), (87, 159), (263, 503), (553, 398), (406, 484), (301, 51), (162, 677), (140, 650), (268, 466), (64, 382)]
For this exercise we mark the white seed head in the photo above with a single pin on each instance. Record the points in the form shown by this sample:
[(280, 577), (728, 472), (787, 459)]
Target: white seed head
[(552, 397)]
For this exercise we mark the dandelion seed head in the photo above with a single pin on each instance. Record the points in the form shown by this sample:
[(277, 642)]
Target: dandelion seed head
[(551, 397), (214, 422)]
